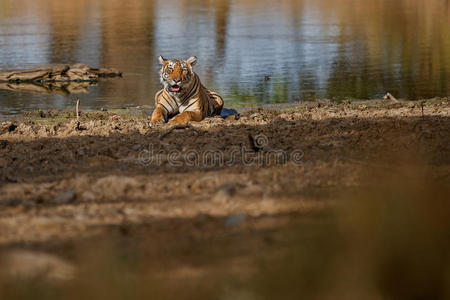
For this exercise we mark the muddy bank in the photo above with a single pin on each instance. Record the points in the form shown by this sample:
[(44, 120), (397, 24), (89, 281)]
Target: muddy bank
[(59, 182), (253, 206)]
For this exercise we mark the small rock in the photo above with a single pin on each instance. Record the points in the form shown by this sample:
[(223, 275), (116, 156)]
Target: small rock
[(12, 127), (222, 196), (234, 220), (226, 191), (226, 112), (137, 147), (65, 197)]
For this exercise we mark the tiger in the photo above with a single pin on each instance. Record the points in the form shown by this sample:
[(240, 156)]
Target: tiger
[(184, 98)]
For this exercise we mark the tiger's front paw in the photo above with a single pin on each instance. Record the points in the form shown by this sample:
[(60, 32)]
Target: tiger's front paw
[(178, 120), (156, 121)]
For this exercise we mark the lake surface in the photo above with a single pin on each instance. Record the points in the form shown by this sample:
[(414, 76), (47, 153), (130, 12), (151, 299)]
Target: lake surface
[(334, 49)]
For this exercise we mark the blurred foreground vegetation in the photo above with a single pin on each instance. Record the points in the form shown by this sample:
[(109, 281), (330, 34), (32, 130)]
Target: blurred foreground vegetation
[(387, 238)]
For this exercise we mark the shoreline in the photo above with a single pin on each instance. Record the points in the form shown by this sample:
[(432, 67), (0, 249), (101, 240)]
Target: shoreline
[(147, 109)]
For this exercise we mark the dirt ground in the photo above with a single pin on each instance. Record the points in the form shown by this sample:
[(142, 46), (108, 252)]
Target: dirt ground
[(61, 182), (58, 182)]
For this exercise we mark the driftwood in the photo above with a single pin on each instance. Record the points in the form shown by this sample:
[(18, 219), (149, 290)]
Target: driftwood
[(58, 73), (55, 79)]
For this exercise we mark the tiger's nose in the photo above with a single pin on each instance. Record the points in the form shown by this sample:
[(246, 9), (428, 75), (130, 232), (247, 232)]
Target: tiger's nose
[(177, 80)]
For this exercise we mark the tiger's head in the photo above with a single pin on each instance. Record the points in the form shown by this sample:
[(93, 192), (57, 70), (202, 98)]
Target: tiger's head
[(176, 74)]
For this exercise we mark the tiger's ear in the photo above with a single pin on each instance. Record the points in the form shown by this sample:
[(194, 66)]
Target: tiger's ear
[(162, 60), (192, 60)]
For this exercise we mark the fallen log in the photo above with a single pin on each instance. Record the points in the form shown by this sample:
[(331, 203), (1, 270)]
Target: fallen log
[(58, 73)]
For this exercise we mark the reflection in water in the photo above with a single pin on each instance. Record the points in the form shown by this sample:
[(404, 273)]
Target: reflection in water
[(310, 48), (60, 88)]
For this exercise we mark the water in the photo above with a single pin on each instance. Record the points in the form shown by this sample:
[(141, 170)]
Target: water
[(334, 49)]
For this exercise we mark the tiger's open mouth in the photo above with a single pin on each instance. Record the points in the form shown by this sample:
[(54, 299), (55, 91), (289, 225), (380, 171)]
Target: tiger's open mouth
[(175, 88)]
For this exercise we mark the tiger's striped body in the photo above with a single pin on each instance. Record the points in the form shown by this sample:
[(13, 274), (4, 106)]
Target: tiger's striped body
[(183, 97)]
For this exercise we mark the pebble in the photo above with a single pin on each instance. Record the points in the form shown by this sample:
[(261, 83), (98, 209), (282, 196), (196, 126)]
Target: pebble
[(234, 220), (226, 192), (66, 197), (12, 127)]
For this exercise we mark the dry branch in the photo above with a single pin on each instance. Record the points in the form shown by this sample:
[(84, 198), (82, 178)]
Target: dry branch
[(77, 113)]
